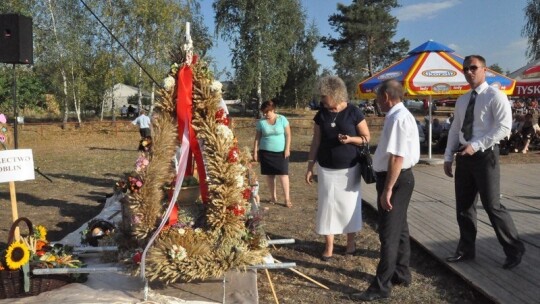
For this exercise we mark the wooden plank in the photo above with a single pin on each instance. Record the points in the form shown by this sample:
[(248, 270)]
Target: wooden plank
[(432, 224)]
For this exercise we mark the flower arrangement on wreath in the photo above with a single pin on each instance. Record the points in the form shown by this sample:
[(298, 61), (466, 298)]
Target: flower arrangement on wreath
[(226, 235)]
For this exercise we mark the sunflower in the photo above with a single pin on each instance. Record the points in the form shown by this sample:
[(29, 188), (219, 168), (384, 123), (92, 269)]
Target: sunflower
[(40, 232), (17, 255)]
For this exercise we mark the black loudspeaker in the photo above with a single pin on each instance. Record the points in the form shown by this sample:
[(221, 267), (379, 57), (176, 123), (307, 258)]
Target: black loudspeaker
[(16, 44)]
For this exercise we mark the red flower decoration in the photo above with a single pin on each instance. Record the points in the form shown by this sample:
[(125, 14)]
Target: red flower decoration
[(221, 117), (238, 210), (225, 121), (137, 257), (234, 153), (246, 194)]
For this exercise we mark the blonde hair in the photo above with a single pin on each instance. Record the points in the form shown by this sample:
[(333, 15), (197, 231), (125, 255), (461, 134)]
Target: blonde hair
[(333, 87)]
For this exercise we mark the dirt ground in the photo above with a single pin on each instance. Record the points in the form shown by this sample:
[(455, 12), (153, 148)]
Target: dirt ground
[(84, 164)]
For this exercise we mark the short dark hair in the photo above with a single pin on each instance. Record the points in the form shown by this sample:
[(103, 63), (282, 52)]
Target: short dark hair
[(480, 58), (393, 88), (267, 106)]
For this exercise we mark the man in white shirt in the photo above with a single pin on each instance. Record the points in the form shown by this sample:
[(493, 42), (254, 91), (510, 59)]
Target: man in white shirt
[(144, 124), (397, 152), (479, 124)]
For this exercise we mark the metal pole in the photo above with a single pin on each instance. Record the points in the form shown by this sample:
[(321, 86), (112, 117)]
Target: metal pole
[(15, 110), (430, 130)]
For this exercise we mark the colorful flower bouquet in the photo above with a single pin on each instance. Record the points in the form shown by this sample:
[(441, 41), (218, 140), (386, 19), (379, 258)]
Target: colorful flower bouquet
[(30, 252)]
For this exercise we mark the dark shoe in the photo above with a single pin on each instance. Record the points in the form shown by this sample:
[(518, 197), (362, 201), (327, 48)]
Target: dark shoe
[(399, 282), (367, 296), (326, 258), (512, 262), (459, 258)]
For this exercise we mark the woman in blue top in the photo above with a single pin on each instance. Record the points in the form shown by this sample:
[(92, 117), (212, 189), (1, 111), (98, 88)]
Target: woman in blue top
[(272, 149), (339, 128)]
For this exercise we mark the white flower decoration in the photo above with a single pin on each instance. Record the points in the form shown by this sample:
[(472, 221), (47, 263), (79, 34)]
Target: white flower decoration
[(197, 230), (169, 83), (216, 86), (240, 181), (177, 253), (181, 231), (225, 132)]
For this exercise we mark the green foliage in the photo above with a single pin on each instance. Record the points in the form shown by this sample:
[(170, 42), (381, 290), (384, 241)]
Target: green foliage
[(261, 34), (531, 29), (134, 99), (302, 75), (364, 45), (496, 68), (30, 89), (77, 60)]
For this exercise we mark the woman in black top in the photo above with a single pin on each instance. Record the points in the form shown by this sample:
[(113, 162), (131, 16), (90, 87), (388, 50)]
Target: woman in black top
[(339, 128)]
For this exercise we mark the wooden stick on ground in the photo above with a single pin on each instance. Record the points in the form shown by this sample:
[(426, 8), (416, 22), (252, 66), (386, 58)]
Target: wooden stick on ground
[(271, 285), (306, 277), (300, 273)]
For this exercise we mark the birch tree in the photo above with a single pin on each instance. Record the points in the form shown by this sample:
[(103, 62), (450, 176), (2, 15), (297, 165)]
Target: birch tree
[(261, 34)]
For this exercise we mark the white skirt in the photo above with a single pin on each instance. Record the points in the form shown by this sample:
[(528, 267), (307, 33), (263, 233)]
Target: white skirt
[(339, 201)]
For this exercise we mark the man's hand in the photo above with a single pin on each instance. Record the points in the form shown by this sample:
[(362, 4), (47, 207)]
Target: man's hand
[(466, 150), (448, 169), (385, 200)]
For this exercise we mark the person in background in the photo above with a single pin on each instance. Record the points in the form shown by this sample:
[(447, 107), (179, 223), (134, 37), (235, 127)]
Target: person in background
[(436, 130), (144, 124), (339, 129), (421, 135), (397, 152), (272, 149), (482, 118), (527, 132), (124, 111)]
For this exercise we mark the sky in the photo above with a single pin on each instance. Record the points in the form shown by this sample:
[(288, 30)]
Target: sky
[(491, 28)]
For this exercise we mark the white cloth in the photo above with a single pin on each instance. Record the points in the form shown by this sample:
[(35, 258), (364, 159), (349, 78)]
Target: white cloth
[(399, 137), (339, 201), (492, 120)]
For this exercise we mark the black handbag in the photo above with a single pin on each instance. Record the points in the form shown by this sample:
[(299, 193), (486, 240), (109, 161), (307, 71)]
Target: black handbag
[(366, 164)]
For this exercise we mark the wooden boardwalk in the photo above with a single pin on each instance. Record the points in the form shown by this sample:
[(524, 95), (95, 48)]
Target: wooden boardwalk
[(432, 224)]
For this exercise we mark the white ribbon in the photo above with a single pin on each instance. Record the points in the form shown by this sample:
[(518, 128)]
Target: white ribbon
[(180, 172)]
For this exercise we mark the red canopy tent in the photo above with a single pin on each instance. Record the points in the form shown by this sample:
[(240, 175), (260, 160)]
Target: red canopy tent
[(527, 80)]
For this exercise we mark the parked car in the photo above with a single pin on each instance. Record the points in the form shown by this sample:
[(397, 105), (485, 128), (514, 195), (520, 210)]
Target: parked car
[(449, 102)]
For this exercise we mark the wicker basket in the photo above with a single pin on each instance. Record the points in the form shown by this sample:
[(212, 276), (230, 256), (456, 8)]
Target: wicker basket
[(11, 281)]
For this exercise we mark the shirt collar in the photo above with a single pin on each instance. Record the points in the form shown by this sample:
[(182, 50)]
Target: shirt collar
[(395, 108), (479, 89)]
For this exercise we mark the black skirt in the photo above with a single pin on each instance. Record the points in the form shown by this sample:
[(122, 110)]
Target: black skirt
[(273, 163)]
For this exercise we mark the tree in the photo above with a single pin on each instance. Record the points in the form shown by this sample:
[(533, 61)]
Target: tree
[(496, 68), (302, 75), (261, 34), (364, 45), (531, 29)]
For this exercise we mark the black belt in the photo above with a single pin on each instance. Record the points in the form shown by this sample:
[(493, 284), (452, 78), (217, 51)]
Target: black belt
[(488, 149), (386, 172), (492, 147)]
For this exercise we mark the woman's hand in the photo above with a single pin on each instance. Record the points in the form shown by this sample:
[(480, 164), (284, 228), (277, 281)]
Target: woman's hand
[(309, 176), (287, 153), (344, 139), (255, 156)]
